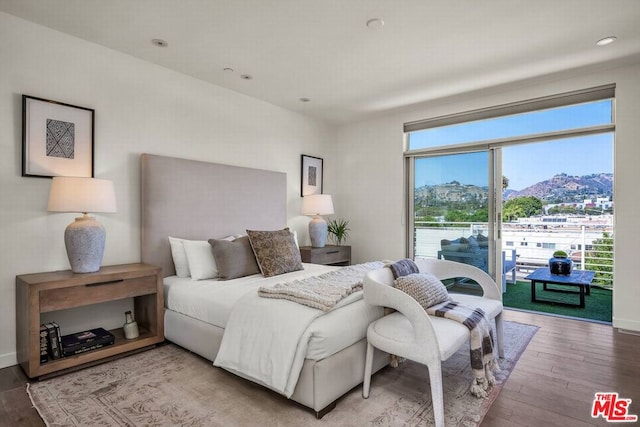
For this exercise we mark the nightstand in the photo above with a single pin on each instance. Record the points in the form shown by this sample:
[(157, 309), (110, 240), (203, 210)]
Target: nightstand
[(60, 290), (328, 255)]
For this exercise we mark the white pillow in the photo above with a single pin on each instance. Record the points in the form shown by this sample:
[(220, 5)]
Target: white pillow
[(202, 264), (179, 257)]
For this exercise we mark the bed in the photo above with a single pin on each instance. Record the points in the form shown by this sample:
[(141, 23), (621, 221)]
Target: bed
[(199, 200)]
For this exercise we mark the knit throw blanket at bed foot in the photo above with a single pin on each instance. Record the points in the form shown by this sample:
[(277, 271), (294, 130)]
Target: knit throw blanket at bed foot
[(483, 359), (323, 291)]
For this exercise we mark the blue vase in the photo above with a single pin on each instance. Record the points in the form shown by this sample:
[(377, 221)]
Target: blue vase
[(560, 266)]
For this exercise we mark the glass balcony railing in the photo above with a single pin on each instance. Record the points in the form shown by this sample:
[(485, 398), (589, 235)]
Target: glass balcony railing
[(589, 246)]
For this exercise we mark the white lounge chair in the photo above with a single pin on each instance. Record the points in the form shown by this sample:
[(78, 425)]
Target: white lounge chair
[(412, 334)]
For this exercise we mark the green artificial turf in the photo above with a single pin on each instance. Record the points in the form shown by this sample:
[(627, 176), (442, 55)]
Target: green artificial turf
[(597, 305)]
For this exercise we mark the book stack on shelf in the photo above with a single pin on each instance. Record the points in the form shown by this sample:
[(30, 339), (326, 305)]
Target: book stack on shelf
[(54, 345)]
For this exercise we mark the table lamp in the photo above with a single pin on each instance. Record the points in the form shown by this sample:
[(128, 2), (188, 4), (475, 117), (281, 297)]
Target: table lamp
[(85, 237), (317, 205)]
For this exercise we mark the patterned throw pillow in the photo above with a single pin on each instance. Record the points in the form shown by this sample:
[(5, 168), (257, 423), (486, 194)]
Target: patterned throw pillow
[(424, 288), (275, 251)]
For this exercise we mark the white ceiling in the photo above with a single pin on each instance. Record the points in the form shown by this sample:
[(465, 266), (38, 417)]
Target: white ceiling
[(323, 50)]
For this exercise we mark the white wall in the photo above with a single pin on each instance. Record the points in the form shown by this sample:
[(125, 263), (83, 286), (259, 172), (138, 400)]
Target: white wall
[(369, 155), (139, 108)]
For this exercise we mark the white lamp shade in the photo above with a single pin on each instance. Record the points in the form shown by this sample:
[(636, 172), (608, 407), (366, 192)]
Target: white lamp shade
[(317, 204), (74, 194)]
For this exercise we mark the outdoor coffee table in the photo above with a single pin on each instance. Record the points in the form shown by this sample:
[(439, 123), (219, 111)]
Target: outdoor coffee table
[(580, 278)]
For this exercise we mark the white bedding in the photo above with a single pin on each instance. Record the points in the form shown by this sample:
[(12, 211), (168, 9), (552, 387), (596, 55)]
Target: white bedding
[(266, 339), (211, 301)]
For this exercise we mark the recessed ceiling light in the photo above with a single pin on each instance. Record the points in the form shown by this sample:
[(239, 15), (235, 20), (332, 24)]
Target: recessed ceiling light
[(607, 40), (305, 100), (375, 23), (159, 42), (228, 70), (245, 76)]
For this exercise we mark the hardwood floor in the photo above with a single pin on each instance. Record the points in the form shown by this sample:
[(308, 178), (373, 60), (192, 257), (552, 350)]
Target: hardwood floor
[(553, 384), (15, 405), (564, 365)]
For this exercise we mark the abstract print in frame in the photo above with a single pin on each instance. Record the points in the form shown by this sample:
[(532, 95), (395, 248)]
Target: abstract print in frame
[(57, 139), (311, 176)]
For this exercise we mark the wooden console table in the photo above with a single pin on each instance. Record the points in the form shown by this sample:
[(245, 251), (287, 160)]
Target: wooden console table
[(60, 290)]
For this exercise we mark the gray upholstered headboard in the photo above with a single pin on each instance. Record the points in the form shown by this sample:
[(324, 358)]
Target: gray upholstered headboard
[(198, 200)]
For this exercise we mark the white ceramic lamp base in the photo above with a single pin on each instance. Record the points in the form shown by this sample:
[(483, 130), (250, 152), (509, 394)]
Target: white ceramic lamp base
[(318, 231), (84, 239)]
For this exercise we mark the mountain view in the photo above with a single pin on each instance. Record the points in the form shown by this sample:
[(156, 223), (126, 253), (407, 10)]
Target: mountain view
[(563, 188), (469, 202)]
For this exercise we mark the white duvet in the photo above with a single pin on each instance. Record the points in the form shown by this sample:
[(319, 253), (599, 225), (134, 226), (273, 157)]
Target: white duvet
[(261, 332), (212, 301), (266, 339)]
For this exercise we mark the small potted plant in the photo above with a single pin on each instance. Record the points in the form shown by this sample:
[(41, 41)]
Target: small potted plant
[(560, 263), (338, 230)]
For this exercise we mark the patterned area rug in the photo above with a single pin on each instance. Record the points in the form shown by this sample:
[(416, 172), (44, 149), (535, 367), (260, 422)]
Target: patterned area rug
[(169, 386)]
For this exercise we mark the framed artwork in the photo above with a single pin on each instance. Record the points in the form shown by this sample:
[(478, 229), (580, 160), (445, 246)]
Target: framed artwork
[(311, 176), (57, 139)]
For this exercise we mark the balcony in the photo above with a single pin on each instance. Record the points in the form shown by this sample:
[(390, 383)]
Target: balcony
[(589, 246)]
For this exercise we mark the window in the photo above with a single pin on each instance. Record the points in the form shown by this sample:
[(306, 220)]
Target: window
[(537, 122), (557, 114), (456, 164)]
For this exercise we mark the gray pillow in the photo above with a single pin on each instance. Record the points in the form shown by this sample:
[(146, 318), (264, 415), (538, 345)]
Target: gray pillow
[(425, 288), (275, 251), (234, 259)]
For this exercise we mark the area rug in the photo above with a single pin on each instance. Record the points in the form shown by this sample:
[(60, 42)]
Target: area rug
[(170, 386)]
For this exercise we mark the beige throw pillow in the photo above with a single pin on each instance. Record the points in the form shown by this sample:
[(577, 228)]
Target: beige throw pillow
[(424, 288)]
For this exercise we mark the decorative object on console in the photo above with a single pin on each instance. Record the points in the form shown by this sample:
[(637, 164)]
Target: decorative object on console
[(85, 237), (130, 326), (57, 139), (317, 205), (311, 176), (338, 230), (560, 263)]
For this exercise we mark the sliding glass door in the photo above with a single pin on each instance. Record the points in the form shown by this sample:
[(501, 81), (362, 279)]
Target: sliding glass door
[(453, 207), (455, 183)]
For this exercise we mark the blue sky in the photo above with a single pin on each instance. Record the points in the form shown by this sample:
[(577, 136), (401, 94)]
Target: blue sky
[(525, 164)]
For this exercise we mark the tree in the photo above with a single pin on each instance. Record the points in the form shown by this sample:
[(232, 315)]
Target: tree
[(521, 207), (600, 260)]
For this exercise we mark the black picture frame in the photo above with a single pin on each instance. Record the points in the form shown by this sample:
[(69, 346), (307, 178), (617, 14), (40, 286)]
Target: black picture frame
[(57, 139), (311, 175)]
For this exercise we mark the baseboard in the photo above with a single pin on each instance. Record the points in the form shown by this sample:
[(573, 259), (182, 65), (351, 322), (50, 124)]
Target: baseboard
[(8, 359), (628, 332), (627, 325)]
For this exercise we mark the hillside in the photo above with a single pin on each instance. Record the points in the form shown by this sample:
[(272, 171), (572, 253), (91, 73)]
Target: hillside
[(437, 200), (565, 188)]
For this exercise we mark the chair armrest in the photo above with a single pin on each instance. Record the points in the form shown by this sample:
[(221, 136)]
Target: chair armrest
[(378, 290)]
